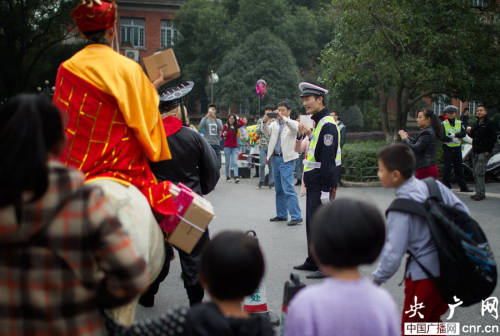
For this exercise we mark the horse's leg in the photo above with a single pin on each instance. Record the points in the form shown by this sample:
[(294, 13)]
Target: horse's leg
[(135, 214)]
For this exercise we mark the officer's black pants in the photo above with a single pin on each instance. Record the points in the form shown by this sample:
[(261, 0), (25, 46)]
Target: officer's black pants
[(453, 158), (313, 202)]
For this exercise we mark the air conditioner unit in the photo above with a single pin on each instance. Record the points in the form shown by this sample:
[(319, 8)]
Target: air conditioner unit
[(133, 54)]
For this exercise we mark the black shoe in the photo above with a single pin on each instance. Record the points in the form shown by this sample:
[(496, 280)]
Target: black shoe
[(277, 219), (477, 197), (271, 186), (465, 190), (237, 180), (306, 267), (295, 222), (316, 275), (259, 186)]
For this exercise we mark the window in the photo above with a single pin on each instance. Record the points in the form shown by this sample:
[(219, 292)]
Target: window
[(132, 32), (438, 103), (168, 34), (472, 107), (479, 4)]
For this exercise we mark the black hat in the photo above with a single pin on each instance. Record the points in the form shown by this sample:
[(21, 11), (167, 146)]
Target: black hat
[(309, 89), (177, 92)]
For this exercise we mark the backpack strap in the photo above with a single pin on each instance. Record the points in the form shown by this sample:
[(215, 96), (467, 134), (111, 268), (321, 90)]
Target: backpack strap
[(433, 188), (407, 206), (415, 208)]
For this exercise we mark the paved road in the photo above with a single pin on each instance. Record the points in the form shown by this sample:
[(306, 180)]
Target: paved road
[(243, 207)]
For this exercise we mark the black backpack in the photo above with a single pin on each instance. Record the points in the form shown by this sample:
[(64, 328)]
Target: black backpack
[(467, 267)]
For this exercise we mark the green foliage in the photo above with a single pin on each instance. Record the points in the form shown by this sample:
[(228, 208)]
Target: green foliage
[(360, 158), (260, 55), (212, 30), (28, 31), (409, 49)]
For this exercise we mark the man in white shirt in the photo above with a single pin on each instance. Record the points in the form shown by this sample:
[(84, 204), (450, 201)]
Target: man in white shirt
[(283, 132)]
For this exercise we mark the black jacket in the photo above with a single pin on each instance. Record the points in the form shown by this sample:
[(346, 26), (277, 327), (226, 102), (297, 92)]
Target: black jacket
[(483, 136), (193, 162), (205, 319), (424, 146), (326, 177)]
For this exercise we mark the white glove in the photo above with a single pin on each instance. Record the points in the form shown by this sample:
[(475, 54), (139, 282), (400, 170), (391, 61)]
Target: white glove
[(451, 135), (455, 140), (325, 197)]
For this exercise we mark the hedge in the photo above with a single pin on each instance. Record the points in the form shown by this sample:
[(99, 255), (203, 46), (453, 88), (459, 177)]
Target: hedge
[(359, 160)]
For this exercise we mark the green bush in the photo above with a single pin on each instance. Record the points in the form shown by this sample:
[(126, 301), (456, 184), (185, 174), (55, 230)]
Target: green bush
[(359, 160)]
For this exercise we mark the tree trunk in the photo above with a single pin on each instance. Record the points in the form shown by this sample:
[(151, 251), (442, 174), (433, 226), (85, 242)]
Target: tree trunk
[(402, 107), (382, 106)]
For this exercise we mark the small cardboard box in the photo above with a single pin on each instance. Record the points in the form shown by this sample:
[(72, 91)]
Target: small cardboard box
[(164, 60), (194, 214)]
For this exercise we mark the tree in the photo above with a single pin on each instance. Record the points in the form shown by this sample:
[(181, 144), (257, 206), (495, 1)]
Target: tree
[(28, 31), (260, 55), (211, 29), (403, 49), (205, 40)]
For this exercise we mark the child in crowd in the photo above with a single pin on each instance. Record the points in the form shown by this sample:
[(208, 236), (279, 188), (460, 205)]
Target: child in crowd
[(396, 169), (345, 234), (231, 267)]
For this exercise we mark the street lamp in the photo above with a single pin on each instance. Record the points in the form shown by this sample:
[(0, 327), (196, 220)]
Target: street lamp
[(213, 78)]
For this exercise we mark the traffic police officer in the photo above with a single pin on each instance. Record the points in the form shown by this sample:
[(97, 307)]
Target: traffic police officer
[(322, 162), (452, 150)]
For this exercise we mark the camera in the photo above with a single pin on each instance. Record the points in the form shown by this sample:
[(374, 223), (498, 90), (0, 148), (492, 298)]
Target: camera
[(272, 115)]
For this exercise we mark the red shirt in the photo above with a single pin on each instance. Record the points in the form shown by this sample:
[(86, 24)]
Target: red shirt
[(231, 138)]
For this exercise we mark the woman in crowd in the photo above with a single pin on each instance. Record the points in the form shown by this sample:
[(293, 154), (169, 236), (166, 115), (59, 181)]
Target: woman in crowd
[(424, 145), (230, 136), (64, 256)]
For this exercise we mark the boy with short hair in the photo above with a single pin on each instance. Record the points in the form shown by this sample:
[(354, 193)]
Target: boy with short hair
[(405, 231), (345, 234)]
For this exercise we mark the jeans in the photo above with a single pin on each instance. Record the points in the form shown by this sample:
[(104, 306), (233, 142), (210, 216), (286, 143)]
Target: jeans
[(217, 153), (262, 167), (299, 166), (231, 156), (479, 172), (286, 197)]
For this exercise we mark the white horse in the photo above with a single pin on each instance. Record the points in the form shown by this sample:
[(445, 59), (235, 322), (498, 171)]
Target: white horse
[(134, 212)]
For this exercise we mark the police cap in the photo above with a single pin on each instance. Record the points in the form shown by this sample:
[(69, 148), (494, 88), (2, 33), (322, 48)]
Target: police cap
[(309, 89), (450, 109)]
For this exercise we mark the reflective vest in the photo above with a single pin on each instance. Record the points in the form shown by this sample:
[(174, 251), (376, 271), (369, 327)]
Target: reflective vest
[(310, 161), (448, 129)]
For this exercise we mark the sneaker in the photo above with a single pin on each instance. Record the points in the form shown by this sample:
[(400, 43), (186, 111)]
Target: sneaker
[(477, 197), (306, 267), (259, 186), (295, 222), (228, 179), (237, 180), (271, 186), (277, 219)]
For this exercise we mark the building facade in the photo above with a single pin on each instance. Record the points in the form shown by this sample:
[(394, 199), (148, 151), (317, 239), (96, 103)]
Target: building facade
[(146, 26)]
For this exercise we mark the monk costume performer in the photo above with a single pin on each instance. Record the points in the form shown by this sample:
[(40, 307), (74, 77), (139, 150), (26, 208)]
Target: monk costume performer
[(113, 125)]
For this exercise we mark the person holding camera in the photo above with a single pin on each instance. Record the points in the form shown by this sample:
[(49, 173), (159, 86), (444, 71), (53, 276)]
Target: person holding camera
[(213, 130), (263, 143), (282, 134)]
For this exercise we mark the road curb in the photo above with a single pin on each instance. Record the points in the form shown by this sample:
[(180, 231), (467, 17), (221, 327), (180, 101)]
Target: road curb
[(348, 184)]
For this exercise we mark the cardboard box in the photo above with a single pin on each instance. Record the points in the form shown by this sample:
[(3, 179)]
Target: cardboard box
[(164, 60), (194, 214)]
